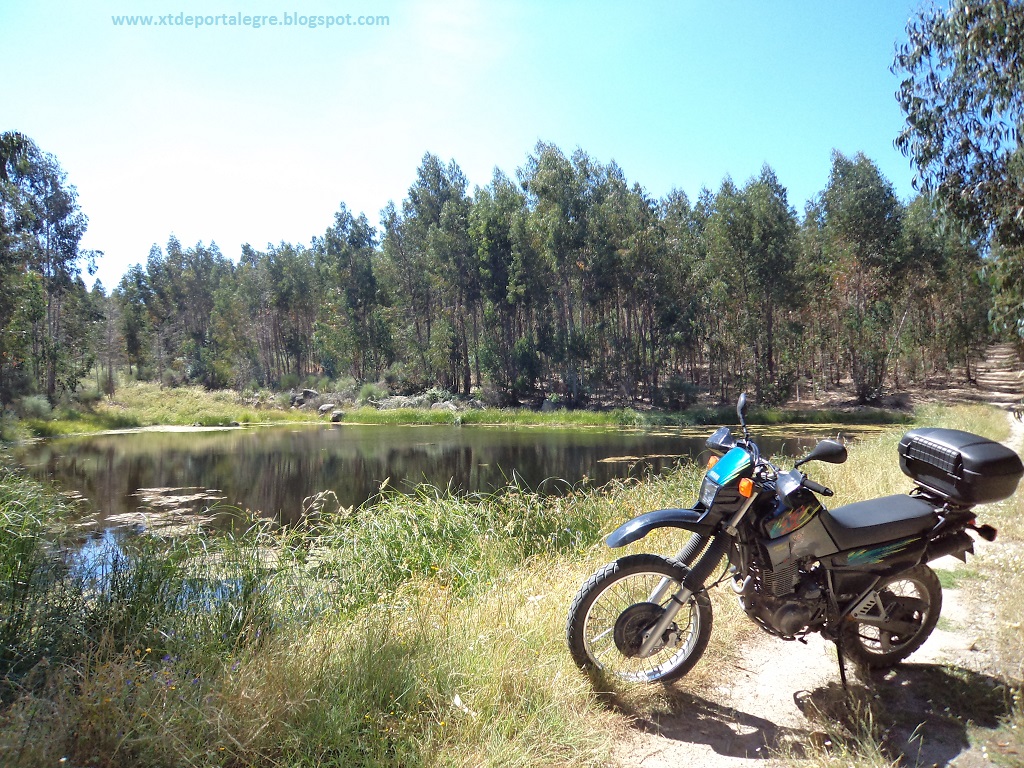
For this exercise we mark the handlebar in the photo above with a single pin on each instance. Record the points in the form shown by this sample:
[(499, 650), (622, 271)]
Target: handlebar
[(770, 471), (817, 487)]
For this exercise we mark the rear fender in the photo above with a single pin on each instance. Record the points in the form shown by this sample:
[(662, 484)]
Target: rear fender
[(695, 520)]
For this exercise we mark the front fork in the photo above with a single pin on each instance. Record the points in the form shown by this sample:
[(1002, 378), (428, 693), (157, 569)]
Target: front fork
[(694, 581), (686, 556)]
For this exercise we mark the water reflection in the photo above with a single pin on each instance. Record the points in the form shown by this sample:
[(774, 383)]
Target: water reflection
[(272, 469)]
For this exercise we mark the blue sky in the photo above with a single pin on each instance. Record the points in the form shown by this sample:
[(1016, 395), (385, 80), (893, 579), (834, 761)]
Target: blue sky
[(234, 134)]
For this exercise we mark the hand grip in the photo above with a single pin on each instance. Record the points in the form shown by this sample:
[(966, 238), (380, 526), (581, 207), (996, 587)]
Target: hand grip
[(817, 487)]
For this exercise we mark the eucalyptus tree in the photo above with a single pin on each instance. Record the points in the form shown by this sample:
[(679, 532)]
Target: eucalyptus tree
[(295, 295), (17, 286), (778, 289), (752, 247), (561, 194), (134, 323), (41, 227), (862, 227), (682, 296), (963, 96), (350, 331), (730, 323), (181, 285), (626, 272), (257, 352), (513, 286), (106, 342), (821, 346), (948, 323), (432, 275)]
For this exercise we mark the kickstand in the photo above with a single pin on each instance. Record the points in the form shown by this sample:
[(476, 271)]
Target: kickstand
[(842, 664)]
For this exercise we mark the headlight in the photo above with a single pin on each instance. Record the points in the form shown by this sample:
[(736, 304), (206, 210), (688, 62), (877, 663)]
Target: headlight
[(708, 489)]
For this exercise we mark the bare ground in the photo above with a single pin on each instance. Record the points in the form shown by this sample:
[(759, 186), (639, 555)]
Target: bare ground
[(783, 699)]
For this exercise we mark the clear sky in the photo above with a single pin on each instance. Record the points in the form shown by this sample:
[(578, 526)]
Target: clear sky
[(233, 134)]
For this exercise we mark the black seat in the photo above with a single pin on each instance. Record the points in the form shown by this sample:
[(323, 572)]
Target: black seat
[(879, 520)]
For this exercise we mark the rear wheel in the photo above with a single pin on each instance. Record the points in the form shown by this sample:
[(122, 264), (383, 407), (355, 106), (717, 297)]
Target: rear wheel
[(618, 604), (904, 616)]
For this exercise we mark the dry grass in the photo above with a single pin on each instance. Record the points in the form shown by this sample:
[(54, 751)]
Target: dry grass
[(423, 631)]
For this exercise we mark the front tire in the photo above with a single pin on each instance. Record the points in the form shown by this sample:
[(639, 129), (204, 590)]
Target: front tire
[(912, 600), (614, 607)]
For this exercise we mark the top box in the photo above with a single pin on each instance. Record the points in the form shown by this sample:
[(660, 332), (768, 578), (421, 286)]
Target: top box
[(964, 468)]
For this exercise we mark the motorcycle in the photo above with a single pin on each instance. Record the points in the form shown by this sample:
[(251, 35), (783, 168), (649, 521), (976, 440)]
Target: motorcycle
[(857, 574)]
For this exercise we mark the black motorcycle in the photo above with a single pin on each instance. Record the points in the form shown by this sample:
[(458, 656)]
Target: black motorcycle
[(857, 574)]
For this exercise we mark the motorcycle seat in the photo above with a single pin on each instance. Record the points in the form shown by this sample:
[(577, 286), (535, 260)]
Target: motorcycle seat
[(879, 520)]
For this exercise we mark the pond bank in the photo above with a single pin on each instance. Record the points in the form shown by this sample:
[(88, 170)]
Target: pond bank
[(149, 472), (145, 405)]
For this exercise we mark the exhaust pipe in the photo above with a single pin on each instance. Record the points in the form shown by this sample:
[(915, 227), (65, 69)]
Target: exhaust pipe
[(956, 544)]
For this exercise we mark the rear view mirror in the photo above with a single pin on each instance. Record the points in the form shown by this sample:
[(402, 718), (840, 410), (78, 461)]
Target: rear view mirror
[(741, 408), (831, 451)]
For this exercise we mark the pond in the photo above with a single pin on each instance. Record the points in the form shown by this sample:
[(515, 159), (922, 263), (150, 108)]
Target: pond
[(270, 470)]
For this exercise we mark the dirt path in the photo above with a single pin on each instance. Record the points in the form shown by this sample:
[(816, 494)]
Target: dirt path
[(760, 711)]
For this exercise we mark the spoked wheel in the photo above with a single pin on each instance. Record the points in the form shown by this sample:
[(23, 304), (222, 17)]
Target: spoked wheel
[(911, 602), (616, 607)]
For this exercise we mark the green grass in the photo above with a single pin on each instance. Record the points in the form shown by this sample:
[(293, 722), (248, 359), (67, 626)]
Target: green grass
[(979, 419), (955, 579), (142, 404), (422, 630)]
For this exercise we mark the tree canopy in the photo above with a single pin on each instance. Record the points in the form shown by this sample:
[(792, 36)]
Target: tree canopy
[(569, 282), (963, 96)]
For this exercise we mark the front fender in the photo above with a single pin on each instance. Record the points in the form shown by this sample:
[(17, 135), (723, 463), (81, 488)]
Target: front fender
[(689, 519)]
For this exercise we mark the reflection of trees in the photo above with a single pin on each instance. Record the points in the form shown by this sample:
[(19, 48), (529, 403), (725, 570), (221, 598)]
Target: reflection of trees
[(271, 470)]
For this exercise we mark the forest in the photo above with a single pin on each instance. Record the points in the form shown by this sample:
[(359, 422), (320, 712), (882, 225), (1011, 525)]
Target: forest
[(567, 282)]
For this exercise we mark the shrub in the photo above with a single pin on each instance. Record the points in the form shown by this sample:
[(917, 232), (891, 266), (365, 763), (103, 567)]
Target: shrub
[(371, 391), (437, 395), (10, 428), (33, 407), (91, 396)]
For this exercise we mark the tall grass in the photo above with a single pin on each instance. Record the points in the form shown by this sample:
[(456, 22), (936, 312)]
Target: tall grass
[(421, 630), (35, 596)]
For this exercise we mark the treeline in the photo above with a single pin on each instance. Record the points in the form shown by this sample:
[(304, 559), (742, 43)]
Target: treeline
[(567, 281)]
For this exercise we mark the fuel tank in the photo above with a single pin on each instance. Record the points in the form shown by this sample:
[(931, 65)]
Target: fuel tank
[(810, 539)]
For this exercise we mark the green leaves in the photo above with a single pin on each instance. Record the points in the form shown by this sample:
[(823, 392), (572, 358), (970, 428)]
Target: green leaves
[(41, 226), (963, 95)]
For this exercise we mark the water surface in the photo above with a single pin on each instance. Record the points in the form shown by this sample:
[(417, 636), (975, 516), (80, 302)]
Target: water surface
[(270, 470)]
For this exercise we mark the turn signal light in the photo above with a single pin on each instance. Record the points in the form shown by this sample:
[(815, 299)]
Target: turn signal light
[(746, 487), (712, 461)]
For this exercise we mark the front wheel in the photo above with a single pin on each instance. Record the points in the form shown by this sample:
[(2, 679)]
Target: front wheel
[(910, 601), (616, 605)]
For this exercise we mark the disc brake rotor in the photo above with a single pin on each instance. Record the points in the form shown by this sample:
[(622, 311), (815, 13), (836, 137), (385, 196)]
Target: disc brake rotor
[(633, 623)]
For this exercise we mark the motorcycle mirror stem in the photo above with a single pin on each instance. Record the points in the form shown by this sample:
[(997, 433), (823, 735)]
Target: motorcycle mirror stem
[(741, 411)]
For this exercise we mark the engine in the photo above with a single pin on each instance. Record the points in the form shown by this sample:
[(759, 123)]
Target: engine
[(787, 601)]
